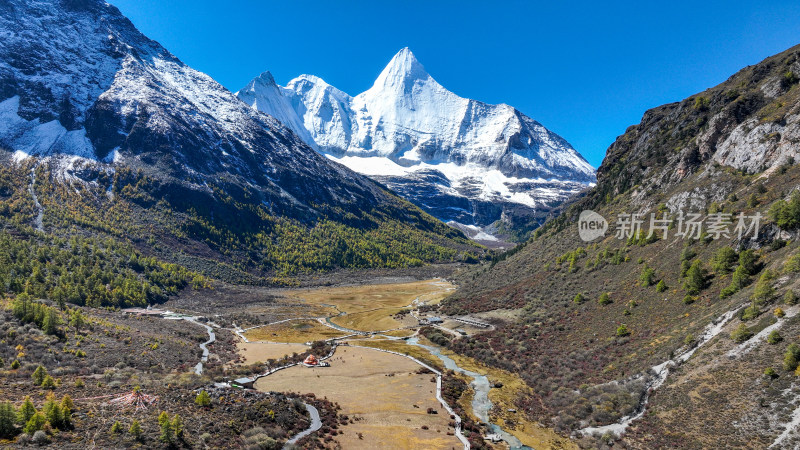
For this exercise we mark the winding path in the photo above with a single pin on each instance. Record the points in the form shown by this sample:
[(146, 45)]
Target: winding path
[(198, 369), (509, 438), (457, 419), (316, 424)]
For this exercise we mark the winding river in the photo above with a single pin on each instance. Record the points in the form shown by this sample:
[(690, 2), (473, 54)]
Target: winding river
[(481, 405)]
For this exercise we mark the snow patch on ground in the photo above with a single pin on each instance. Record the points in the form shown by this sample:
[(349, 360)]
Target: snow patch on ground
[(745, 347), (26, 138), (791, 427), (661, 372)]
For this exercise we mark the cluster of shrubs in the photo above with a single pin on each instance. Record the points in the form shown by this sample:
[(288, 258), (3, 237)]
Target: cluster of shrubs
[(54, 414), (134, 430), (786, 214), (747, 266), (648, 278), (602, 257)]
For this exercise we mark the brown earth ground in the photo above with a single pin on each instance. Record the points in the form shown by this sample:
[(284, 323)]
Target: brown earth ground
[(381, 392), (503, 399)]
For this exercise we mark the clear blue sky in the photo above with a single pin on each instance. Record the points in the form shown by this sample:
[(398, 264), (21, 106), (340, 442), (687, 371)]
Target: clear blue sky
[(586, 70)]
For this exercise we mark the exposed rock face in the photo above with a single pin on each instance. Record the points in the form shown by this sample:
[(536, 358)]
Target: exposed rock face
[(749, 122), (722, 158), (754, 146)]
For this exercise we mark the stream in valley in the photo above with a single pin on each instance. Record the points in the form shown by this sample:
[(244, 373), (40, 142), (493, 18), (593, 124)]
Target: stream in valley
[(198, 369), (481, 405)]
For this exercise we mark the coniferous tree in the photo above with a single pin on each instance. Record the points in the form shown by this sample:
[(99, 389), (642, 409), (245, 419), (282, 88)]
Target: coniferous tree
[(724, 260), (26, 411), (791, 357), (50, 322), (52, 411), (167, 432), (135, 430), (39, 375), (695, 278), (8, 418), (177, 426), (35, 423), (203, 399), (764, 290)]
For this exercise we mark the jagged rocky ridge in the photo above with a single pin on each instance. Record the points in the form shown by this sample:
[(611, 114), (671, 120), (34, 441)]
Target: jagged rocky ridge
[(462, 160), (82, 90)]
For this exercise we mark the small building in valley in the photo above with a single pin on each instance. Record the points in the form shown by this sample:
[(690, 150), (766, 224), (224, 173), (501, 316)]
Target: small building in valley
[(312, 361)]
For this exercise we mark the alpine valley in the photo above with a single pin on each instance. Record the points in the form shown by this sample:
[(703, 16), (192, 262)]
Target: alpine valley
[(486, 169), (292, 267)]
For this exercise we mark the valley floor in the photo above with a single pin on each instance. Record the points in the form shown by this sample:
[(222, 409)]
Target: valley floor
[(391, 399)]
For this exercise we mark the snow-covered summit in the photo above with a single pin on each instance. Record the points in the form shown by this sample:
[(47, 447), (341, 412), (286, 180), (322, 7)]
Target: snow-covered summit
[(408, 126), (265, 95), (404, 68)]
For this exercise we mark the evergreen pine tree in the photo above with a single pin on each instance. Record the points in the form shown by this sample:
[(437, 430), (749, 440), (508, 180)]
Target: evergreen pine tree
[(38, 375), (135, 430), (26, 411), (167, 432), (8, 417)]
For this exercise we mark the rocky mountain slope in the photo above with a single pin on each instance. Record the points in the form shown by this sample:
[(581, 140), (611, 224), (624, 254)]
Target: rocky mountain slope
[(462, 160), (105, 117), (683, 338)]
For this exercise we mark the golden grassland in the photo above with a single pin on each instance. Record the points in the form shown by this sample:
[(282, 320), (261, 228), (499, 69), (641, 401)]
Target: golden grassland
[(530, 433), (254, 352), (371, 307), (364, 380), (400, 347), (381, 392), (294, 331), (286, 311), (400, 333)]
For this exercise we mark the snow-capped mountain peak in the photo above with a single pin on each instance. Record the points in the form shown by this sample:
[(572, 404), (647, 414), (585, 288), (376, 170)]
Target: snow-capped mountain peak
[(432, 146), (404, 68), (264, 94), (82, 87)]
